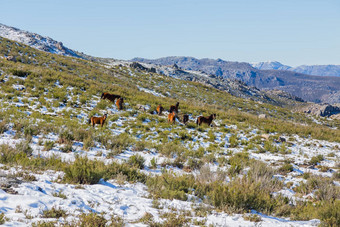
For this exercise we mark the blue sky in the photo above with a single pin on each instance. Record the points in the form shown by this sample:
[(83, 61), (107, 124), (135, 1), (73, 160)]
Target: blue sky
[(294, 32)]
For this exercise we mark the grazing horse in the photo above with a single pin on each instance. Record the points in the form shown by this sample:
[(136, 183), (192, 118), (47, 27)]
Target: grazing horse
[(172, 117), (206, 120), (160, 109), (110, 97), (185, 118), (119, 103), (98, 120), (174, 108)]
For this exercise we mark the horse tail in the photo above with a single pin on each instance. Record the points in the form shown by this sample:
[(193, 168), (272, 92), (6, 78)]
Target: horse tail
[(102, 95), (89, 121)]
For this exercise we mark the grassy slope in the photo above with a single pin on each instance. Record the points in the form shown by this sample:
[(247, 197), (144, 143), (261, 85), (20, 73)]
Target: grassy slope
[(44, 73)]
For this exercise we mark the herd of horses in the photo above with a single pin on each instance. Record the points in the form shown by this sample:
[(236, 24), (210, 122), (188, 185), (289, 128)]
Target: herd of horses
[(172, 116)]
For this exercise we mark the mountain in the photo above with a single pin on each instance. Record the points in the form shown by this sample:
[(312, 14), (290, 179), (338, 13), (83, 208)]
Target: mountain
[(36, 41), (316, 70), (232, 86), (319, 70), (310, 88), (270, 65)]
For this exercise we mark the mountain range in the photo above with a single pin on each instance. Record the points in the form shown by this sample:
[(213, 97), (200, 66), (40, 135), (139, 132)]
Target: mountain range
[(316, 70), (319, 89)]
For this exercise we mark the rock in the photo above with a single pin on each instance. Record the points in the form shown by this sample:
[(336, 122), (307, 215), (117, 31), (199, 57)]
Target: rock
[(11, 58), (265, 136), (323, 110), (282, 139), (262, 116), (141, 107)]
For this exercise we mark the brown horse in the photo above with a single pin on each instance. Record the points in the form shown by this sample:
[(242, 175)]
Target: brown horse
[(174, 108), (119, 103), (206, 120), (160, 109), (110, 97), (185, 118), (98, 120), (172, 117)]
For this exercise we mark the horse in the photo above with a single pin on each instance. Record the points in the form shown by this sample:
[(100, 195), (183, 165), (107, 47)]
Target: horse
[(159, 109), (185, 118), (206, 120), (119, 103), (174, 108), (97, 120), (172, 117), (110, 97)]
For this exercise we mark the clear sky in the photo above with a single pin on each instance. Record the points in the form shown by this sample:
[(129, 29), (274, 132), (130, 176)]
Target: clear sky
[(294, 32)]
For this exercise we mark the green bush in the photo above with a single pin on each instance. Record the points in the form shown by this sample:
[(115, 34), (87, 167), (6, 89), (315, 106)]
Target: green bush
[(316, 159), (48, 145), (24, 147), (3, 127), (286, 168), (54, 213), (137, 161), (84, 171), (91, 219)]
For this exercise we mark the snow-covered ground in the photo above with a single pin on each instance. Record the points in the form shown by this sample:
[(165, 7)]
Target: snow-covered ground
[(28, 200)]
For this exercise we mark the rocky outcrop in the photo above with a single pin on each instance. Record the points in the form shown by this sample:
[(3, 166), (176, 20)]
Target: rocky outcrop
[(323, 110)]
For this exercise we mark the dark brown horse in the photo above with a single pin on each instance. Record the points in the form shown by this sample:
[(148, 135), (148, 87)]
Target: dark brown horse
[(172, 117), (185, 118), (110, 97), (206, 120), (98, 120), (159, 109), (174, 108), (119, 103)]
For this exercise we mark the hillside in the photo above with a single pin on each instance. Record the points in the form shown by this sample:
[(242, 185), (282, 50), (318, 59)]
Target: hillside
[(36, 41), (310, 88), (258, 163)]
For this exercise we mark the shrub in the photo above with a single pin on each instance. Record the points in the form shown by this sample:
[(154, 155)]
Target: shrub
[(238, 162), (153, 163), (24, 147), (84, 171), (233, 141), (137, 161), (316, 159), (48, 145), (3, 127), (132, 174), (117, 143), (54, 213), (66, 148), (91, 219), (2, 219), (65, 136), (286, 168)]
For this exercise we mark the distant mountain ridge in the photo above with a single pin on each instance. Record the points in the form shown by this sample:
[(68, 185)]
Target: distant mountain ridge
[(317, 89), (316, 70), (36, 41)]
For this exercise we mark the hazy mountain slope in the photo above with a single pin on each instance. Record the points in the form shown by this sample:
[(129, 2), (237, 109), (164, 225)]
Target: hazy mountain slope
[(36, 41), (316, 70), (307, 87)]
